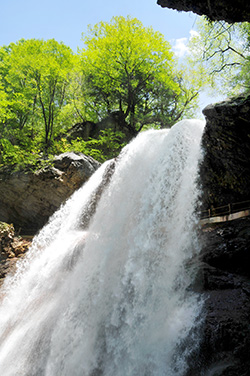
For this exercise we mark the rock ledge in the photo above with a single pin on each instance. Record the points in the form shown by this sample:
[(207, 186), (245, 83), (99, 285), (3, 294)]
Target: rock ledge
[(28, 199)]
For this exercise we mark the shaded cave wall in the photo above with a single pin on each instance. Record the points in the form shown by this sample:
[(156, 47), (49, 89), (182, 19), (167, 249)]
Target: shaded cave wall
[(227, 10)]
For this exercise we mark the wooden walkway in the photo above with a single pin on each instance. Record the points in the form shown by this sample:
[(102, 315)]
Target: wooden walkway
[(225, 213)]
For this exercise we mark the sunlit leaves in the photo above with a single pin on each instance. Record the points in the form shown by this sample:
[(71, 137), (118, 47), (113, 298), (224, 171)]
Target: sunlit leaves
[(221, 51), (34, 75), (123, 64), (125, 77)]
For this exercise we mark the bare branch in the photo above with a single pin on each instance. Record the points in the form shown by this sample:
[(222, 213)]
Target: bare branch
[(224, 66)]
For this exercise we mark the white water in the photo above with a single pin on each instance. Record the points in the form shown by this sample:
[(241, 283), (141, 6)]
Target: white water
[(113, 299)]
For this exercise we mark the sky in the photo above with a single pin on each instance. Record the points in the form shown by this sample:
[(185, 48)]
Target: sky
[(66, 20)]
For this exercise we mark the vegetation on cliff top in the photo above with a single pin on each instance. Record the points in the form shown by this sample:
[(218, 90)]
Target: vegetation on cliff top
[(125, 71), (125, 79)]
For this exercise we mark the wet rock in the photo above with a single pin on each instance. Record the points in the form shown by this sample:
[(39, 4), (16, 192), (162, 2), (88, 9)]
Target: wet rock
[(225, 261)]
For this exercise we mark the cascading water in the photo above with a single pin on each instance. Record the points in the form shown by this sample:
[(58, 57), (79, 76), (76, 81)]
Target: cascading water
[(113, 299)]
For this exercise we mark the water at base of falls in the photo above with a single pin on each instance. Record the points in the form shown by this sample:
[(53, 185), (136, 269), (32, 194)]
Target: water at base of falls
[(115, 298)]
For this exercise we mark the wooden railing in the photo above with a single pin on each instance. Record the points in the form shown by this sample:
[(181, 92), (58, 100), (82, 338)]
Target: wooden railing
[(224, 210)]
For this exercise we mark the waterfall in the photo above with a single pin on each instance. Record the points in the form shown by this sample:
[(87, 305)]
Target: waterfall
[(113, 297)]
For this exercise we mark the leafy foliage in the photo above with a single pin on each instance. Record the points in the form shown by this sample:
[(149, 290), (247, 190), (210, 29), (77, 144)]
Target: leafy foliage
[(106, 146), (34, 76), (131, 70), (223, 52), (126, 77)]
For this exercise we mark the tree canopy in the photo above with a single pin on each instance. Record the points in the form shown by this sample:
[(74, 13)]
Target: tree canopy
[(34, 76), (125, 79), (130, 72), (223, 51)]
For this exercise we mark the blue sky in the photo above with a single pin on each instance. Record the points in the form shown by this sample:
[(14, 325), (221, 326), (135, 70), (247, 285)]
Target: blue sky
[(66, 20)]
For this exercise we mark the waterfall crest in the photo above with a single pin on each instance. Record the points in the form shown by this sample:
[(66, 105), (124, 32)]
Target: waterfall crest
[(113, 298)]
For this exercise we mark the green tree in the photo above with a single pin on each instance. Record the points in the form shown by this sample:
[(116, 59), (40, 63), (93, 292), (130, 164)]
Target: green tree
[(4, 103), (129, 73), (243, 76), (223, 52), (35, 76)]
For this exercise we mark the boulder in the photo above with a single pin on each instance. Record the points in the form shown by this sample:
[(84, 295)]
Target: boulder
[(28, 199)]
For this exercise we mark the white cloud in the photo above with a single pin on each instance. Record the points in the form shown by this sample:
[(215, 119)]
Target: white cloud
[(193, 34), (180, 45)]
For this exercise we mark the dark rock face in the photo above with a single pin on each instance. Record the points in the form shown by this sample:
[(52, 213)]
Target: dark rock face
[(225, 262), (227, 10), (225, 256), (28, 199), (82, 130), (225, 171)]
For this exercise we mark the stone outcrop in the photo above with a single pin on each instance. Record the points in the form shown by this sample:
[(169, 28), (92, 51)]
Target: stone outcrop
[(227, 10), (88, 129), (83, 130), (225, 171), (28, 199)]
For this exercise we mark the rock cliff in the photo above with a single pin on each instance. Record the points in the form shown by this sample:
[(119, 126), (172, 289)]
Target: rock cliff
[(225, 261), (225, 256), (225, 171), (227, 10), (28, 199)]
